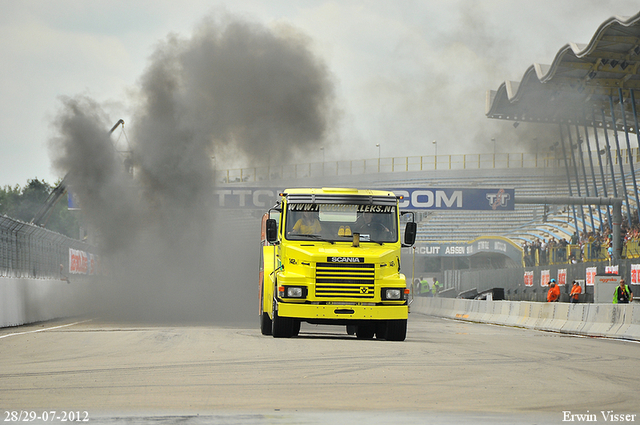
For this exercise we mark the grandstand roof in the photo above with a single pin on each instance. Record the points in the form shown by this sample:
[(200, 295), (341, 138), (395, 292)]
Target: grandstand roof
[(579, 83)]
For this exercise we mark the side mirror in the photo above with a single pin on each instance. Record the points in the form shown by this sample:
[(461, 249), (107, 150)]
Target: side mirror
[(410, 231), (272, 230)]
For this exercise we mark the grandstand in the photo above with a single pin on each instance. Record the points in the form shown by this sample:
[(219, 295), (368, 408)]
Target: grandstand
[(526, 223), (520, 224), (589, 94)]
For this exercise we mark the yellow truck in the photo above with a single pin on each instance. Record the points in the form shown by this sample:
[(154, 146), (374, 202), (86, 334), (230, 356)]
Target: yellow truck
[(332, 256)]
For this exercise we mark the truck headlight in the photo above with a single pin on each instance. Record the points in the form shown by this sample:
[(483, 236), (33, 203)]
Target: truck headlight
[(392, 294), (292, 291)]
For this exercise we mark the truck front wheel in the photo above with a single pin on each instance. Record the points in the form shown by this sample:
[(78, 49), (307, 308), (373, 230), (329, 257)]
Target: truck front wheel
[(282, 327), (365, 331), (265, 324), (396, 330)]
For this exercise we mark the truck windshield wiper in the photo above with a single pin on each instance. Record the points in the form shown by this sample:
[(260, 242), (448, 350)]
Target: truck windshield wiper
[(371, 240), (313, 236), (368, 239)]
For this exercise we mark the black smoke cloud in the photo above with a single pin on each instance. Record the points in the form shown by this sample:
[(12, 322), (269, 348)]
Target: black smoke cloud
[(234, 90)]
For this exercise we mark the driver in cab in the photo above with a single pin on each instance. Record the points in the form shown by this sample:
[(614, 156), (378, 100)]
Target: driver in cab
[(369, 224), (308, 224)]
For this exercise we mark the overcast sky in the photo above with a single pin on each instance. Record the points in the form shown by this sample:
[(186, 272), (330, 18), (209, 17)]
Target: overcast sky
[(405, 72)]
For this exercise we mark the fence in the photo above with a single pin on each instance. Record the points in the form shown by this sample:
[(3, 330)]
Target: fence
[(410, 163), (587, 252), (515, 289), (28, 251)]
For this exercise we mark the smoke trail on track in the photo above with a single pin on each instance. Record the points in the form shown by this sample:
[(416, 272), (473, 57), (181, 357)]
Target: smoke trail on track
[(235, 89)]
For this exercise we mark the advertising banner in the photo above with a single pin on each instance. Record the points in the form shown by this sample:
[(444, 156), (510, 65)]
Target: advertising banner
[(81, 262), (562, 276), (611, 269), (635, 274), (456, 199), (78, 262), (484, 244), (545, 277), (528, 278), (72, 201), (492, 199), (591, 275)]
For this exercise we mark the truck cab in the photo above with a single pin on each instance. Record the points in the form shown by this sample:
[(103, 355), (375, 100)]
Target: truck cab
[(332, 256)]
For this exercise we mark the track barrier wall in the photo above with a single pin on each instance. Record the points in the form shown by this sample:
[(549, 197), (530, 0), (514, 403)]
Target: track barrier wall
[(598, 320), (25, 300), (36, 266)]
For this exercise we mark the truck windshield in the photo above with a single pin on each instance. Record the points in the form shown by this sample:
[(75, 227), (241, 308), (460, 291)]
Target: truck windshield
[(338, 222)]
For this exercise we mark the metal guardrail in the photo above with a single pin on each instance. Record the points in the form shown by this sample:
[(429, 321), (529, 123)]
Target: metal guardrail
[(407, 164), (28, 251), (588, 252)]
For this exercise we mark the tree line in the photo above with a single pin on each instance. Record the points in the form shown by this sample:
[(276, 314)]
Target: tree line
[(23, 203)]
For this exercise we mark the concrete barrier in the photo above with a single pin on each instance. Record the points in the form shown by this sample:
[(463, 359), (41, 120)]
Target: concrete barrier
[(604, 320), (560, 316), (524, 313), (547, 311), (483, 313), (618, 317), (25, 301), (458, 307), (533, 315), (517, 310), (600, 319), (632, 324), (575, 318), (501, 312)]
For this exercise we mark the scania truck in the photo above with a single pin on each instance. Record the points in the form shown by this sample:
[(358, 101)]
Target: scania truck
[(332, 256)]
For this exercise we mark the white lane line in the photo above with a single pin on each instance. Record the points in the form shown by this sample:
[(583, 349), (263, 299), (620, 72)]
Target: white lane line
[(45, 329)]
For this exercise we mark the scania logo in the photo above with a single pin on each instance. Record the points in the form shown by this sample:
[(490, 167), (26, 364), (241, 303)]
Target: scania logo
[(345, 259)]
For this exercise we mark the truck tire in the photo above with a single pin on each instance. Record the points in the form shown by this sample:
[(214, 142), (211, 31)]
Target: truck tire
[(265, 324), (365, 331), (396, 330), (381, 330), (282, 327)]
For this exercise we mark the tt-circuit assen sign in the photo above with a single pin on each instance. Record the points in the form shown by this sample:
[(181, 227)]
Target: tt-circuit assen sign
[(491, 244), (455, 199), (413, 198)]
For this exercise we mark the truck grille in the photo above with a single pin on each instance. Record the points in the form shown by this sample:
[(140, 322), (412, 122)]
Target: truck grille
[(345, 280)]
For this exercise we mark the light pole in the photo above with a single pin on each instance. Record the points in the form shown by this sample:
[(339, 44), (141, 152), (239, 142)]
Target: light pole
[(435, 156), (494, 152), (378, 146), (322, 149)]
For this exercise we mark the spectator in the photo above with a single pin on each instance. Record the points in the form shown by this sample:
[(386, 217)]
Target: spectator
[(622, 293), (424, 287), (596, 246), (562, 248), (576, 290), (435, 288), (574, 238), (554, 292)]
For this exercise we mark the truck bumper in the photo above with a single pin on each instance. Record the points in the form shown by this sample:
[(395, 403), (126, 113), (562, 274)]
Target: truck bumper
[(343, 312)]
